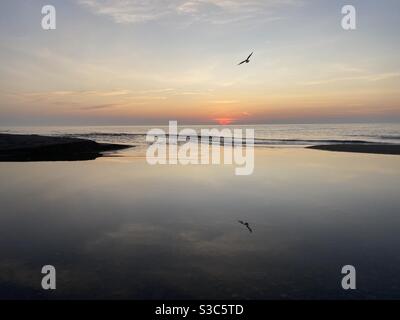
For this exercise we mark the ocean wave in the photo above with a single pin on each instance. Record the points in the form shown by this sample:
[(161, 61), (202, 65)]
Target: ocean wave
[(102, 134), (360, 138), (305, 142), (125, 137)]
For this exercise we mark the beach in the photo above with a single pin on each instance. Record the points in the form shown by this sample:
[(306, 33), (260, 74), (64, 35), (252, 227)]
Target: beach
[(88, 143), (373, 148), (197, 157)]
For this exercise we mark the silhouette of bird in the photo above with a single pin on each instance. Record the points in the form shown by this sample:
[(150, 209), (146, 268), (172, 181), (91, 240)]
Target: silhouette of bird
[(246, 224), (247, 60)]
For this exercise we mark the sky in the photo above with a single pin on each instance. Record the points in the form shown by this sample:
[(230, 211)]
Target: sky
[(122, 62)]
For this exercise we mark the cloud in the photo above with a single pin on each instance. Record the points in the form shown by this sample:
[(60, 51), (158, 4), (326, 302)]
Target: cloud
[(125, 12), (373, 77), (100, 107), (215, 11), (224, 101)]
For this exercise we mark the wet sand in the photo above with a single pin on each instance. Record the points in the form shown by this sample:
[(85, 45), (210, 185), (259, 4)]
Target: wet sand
[(21, 148), (374, 148)]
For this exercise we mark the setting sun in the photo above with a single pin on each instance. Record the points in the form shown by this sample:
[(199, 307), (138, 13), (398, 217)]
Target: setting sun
[(224, 121)]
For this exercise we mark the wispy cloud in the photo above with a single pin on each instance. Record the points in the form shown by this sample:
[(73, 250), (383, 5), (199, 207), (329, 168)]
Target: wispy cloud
[(224, 101), (100, 107), (373, 77), (216, 11)]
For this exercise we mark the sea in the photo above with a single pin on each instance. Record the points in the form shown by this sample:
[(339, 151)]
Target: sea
[(288, 135)]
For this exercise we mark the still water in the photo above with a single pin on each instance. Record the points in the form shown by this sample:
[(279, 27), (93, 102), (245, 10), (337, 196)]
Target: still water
[(119, 228)]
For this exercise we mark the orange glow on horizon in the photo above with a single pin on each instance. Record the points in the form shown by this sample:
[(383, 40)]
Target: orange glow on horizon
[(224, 121)]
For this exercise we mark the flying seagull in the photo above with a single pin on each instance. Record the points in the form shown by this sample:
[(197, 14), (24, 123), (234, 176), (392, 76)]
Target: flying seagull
[(246, 224), (247, 60)]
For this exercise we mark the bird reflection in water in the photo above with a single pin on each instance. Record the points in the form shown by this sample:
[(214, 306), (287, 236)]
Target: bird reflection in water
[(246, 224)]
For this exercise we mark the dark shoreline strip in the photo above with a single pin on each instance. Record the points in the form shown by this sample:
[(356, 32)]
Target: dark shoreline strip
[(373, 148), (22, 148)]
